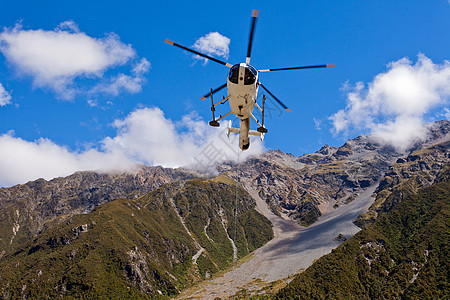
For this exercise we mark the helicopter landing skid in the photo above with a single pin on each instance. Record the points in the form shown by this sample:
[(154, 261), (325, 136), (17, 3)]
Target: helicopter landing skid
[(214, 123)]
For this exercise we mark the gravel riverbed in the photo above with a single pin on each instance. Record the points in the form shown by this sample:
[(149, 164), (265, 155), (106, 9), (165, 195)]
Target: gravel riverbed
[(293, 248)]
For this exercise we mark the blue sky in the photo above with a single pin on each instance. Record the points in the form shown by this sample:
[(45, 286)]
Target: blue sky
[(92, 85)]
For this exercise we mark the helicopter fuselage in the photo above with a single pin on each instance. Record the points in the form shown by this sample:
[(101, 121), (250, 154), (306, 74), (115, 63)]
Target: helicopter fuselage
[(242, 89), (242, 86)]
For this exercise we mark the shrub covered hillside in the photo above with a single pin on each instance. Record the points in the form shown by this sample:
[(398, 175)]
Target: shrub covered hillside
[(404, 254), (149, 247)]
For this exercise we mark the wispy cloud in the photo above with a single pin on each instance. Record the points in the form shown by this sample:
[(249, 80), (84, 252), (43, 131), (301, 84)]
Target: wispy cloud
[(123, 82), (317, 124), (5, 96), (213, 43), (446, 112), (144, 136), (55, 59), (69, 26), (394, 104)]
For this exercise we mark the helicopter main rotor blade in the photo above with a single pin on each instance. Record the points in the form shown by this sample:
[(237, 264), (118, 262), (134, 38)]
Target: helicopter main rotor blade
[(273, 96), (297, 68), (252, 31), (214, 91), (198, 53)]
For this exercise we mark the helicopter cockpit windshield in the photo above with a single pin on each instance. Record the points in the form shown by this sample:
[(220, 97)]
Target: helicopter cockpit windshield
[(249, 74), (233, 76)]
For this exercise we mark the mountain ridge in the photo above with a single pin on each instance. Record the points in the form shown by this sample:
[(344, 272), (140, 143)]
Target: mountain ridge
[(300, 188)]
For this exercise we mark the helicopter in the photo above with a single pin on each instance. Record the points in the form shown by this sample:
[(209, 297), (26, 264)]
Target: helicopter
[(242, 89)]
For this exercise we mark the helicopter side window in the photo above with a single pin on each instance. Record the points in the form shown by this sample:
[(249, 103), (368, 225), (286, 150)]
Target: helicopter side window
[(250, 75), (234, 74)]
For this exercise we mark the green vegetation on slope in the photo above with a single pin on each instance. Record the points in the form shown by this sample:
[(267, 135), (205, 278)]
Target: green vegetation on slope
[(136, 248), (404, 254)]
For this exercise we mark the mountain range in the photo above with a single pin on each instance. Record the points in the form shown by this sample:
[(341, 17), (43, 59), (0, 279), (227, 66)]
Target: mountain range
[(155, 231)]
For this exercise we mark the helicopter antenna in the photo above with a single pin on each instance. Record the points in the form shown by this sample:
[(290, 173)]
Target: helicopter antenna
[(252, 31)]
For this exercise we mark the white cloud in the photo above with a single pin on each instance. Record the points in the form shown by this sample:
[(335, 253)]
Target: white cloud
[(132, 84), (317, 124), (56, 58), (5, 96), (144, 136), (92, 103), (21, 160), (213, 44), (394, 104), (69, 25), (147, 136), (445, 112)]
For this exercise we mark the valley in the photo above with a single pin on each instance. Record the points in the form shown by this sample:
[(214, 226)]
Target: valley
[(293, 248)]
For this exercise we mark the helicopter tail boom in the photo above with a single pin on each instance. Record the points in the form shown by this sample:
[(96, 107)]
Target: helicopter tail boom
[(244, 133)]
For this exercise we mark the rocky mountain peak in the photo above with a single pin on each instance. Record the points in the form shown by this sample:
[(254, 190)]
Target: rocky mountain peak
[(327, 150)]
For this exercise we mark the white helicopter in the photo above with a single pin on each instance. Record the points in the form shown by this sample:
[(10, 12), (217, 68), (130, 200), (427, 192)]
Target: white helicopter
[(242, 86)]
